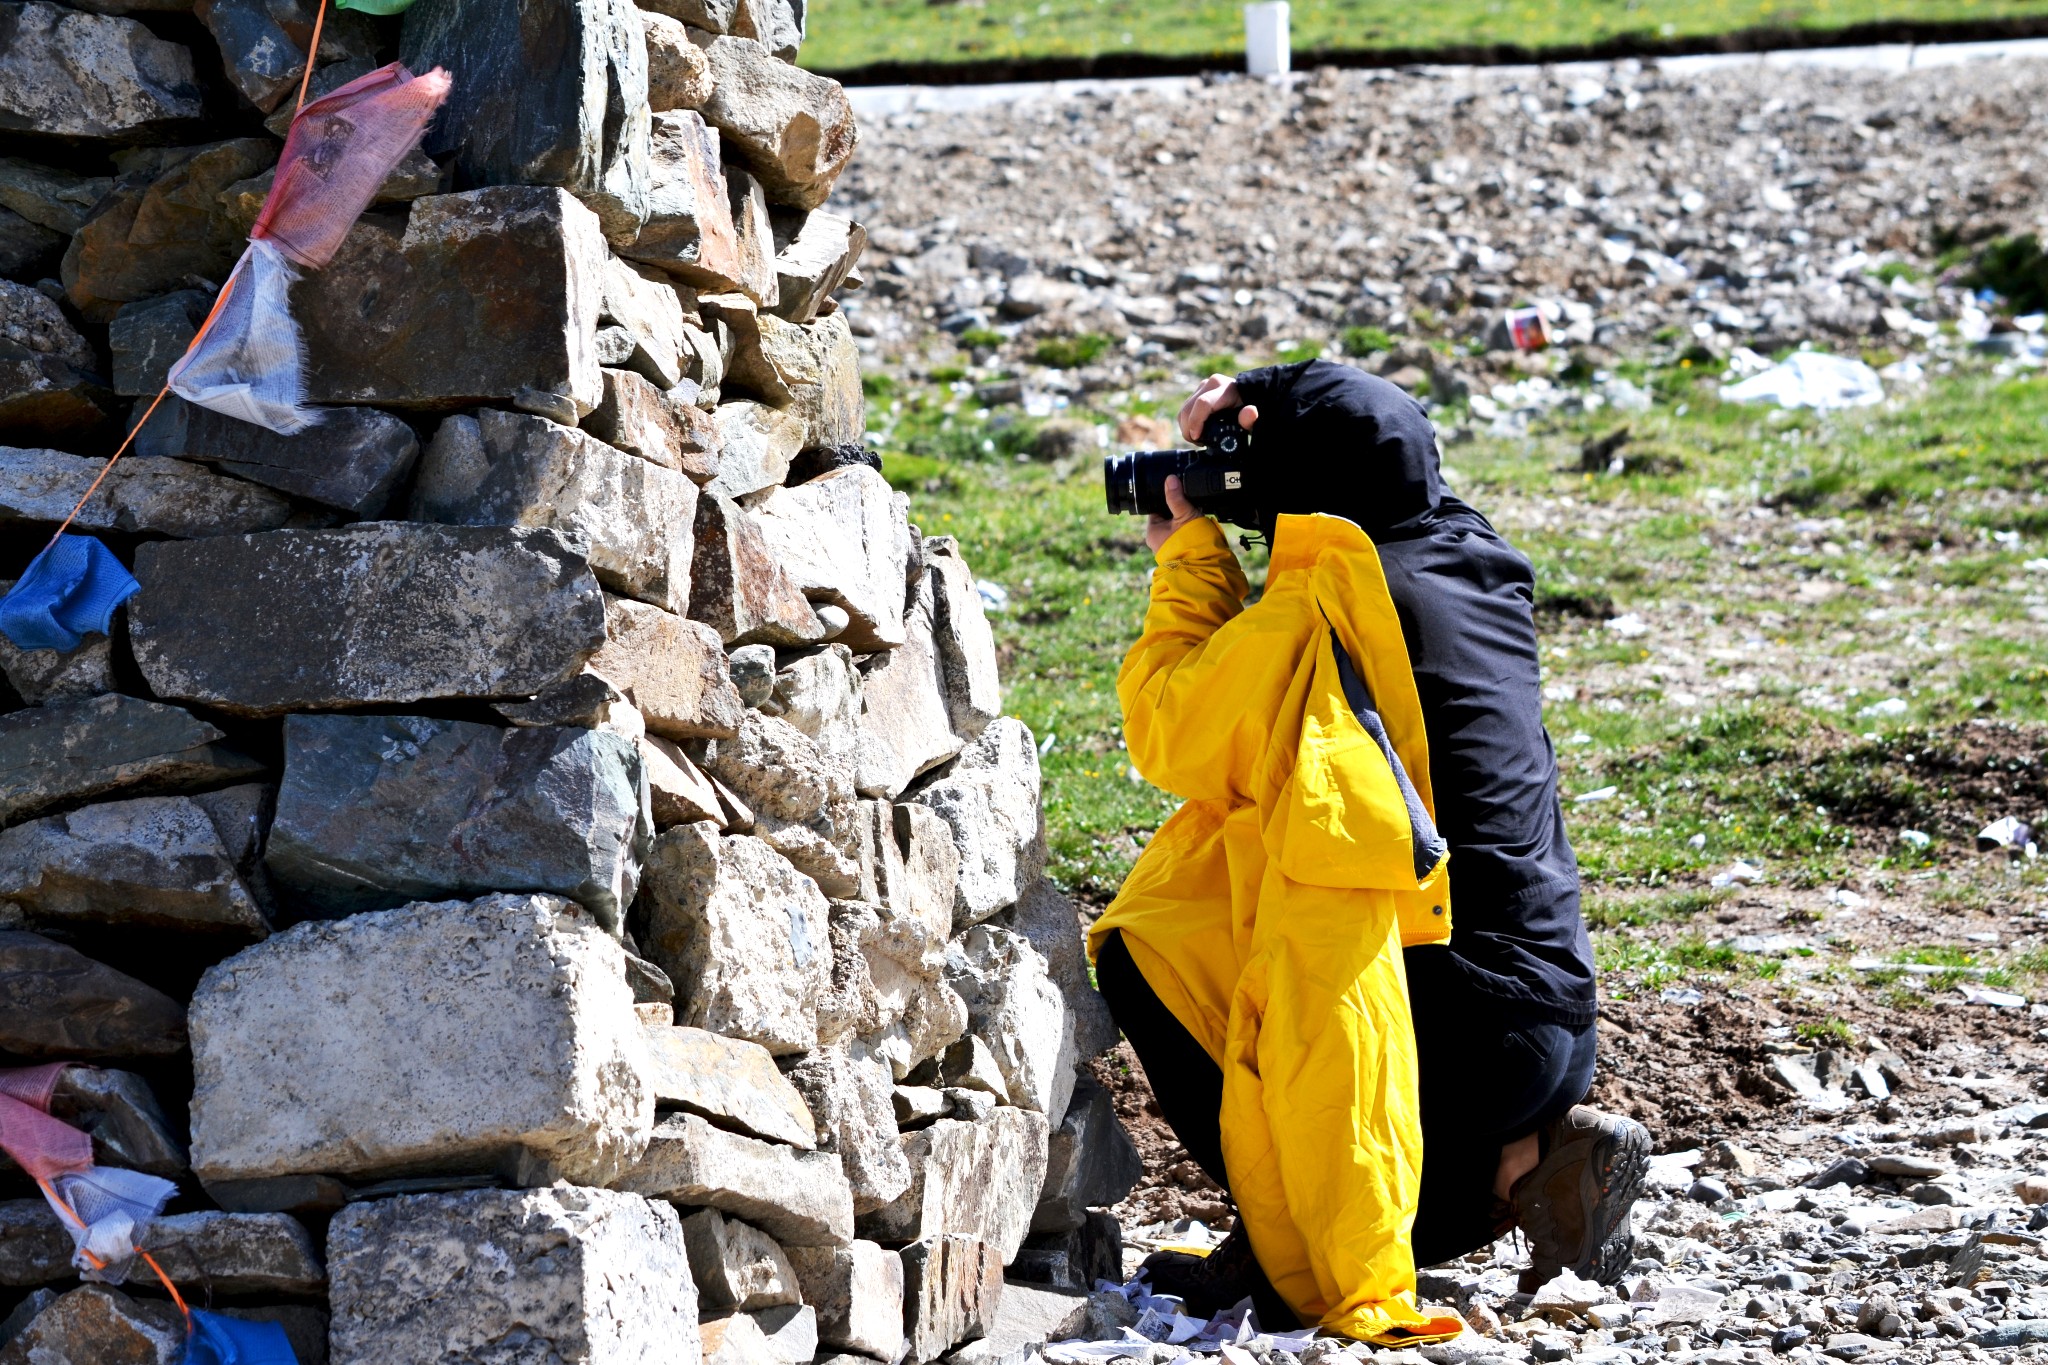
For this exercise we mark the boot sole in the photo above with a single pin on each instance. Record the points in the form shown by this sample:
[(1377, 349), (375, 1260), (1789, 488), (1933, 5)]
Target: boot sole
[(1622, 1175)]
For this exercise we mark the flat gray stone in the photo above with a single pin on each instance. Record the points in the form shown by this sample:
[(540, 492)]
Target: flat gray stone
[(952, 1290), (730, 1081), (850, 1095), (1090, 1162), (736, 1266), (682, 794), (351, 460), (820, 366), (980, 1179), (149, 336), (68, 753), (789, 1331), (547, 94), (58, 1004), (376, 811), (817, 251), (640, 419), (904, 728), (857, 1291), (754, 230), (845, 538), (1026, 1315), (798, 1198), (1013, 1004), (161, 497), (643, 302), (630, 518), (91, 76), (1049, 920), (738, 586), (490, 296), (153, 861), (689, 231), (672, 669), (44, 675), (792, 129), (989, 799), (966, 645), (59, 200), (493, 1035), (735, 1339), (743, 935), (755, 446), (595, 1276), (51, 383), (380, 613)]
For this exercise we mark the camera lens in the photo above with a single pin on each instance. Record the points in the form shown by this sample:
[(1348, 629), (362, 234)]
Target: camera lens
[(1135, 484), (1119, 484)]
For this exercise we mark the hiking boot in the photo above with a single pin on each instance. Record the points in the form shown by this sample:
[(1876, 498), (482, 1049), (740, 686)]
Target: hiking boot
[(1574, 1206), (1212, 1284)]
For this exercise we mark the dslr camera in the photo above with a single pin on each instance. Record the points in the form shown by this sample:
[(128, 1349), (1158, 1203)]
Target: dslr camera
[(1217, 478)]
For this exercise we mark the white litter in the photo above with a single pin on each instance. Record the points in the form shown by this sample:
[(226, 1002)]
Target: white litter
[(250, 365), (1915, 838), (1845, 898), (1628, 625), (2010, 833), (1983, 995), (994, 596), (1890, 706), (1810, 379), (1697, 842), (1164, 1321), (1739, 873), (1598, 794)]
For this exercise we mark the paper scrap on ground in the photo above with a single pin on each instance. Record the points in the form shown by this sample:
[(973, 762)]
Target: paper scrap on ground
[(1164, 1321), (1810, 379)]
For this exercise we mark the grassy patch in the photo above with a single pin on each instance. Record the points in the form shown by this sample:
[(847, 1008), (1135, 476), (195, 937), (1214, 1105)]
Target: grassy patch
[(847, 33)]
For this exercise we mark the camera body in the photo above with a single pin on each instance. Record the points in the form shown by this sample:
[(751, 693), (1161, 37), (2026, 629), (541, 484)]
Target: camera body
[(1217, 477)]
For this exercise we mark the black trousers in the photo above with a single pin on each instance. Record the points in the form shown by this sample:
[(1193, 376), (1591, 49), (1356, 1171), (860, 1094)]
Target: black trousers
[(1489, 1075)]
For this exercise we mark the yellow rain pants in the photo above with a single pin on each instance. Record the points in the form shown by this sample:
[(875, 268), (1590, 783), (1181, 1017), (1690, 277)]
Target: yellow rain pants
[(1270, 911)]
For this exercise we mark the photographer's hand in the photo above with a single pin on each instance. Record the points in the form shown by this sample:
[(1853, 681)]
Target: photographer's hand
[(1158, 529), (1214, 394)]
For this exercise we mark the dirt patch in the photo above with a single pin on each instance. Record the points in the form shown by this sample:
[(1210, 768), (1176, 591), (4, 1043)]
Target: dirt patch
[(1173, 1186)]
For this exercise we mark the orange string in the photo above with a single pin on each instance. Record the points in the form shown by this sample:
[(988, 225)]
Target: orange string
[(319, 17), (136, 430)]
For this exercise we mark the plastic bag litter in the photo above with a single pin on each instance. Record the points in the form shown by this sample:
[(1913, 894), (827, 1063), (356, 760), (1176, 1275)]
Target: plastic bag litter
[(2010, 833), (250, 364), (66, 593), (115, 1207), (1984, 995), (1810, 379), (218, 1340)]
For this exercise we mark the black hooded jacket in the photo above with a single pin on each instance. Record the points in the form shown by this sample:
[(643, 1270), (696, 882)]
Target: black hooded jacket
[(1336, 440)]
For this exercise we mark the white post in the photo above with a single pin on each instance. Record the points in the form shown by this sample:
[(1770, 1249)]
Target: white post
[(1265, 38)]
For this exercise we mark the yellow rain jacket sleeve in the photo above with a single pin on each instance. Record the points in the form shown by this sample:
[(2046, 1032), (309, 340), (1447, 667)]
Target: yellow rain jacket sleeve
[(1270, 911)]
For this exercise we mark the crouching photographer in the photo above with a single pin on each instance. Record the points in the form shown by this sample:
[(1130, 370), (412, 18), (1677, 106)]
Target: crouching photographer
[(1377, 1077)]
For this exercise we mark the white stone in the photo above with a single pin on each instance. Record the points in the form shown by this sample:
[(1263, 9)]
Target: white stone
[(743, 935), (756, 444), (593, 1276), (989, 799), (966, 645), (492, 1034), (1048, 919), (798, 1198), (905, 730), (845, 537), (849, 1094), (981, 1179), (858, 1292), (736, 1265)]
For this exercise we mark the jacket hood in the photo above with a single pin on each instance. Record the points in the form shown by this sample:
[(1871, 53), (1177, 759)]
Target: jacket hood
[(1333, 439)]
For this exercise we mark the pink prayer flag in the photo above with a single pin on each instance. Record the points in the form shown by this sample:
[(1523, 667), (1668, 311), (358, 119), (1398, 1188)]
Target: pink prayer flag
[(33, 1084), (340, 149), (42, 1146)]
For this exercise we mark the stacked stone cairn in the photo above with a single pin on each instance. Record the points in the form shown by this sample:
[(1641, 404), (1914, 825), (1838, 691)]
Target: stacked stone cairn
[(540, 860)]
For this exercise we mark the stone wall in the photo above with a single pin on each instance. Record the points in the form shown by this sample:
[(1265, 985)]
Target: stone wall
[(540, 861)]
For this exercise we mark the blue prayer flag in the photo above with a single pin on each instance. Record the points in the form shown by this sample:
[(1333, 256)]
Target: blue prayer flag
[(67, 592), (217, 1340)]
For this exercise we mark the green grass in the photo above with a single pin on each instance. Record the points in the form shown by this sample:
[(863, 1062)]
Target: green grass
[(1930, 512), (850, 33)]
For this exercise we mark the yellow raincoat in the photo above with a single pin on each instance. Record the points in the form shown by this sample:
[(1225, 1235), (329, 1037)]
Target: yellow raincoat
[(1270, 911)]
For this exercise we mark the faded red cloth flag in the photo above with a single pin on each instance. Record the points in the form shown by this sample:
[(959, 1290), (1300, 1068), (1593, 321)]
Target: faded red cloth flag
[(42, 1146), (340, 149)]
